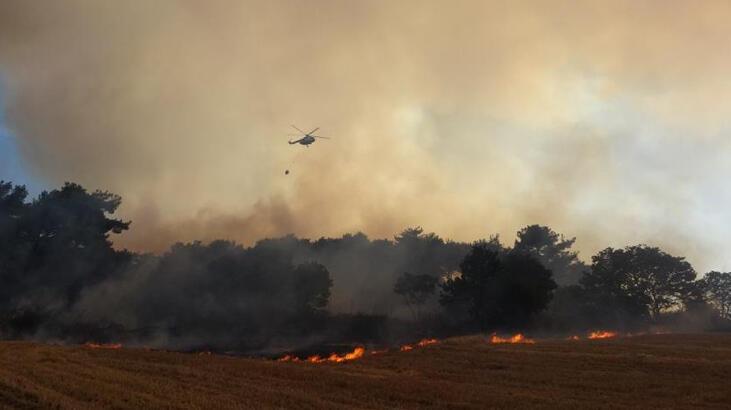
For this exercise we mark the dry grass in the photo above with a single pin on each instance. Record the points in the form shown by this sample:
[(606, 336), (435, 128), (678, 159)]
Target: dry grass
[(660, 371)]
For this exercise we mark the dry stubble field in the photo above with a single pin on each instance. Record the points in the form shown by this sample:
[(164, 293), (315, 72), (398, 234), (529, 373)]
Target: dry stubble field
[(654, 371)]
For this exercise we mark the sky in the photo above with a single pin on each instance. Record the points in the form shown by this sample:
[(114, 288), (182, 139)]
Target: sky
[(12, 167), (607, 121)]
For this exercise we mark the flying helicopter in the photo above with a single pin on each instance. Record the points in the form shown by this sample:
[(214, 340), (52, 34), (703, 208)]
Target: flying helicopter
[(308, 137)]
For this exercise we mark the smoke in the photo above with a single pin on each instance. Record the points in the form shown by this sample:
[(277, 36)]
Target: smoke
[(604, 121), (223, 295)]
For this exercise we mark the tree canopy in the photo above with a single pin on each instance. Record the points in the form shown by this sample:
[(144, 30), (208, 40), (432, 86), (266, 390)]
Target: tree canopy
[(639, 280), (56, 244), (717, 288), (497, 289), (553, 251)]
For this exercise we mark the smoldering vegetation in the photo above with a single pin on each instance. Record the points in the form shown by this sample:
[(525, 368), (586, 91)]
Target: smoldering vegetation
[(62, 280)]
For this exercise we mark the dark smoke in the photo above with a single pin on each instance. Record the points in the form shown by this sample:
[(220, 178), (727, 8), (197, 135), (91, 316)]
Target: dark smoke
[(62, 280), (223, 294)]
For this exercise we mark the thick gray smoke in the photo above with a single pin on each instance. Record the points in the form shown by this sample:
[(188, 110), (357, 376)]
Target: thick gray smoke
[(602, 119), (223, 295)]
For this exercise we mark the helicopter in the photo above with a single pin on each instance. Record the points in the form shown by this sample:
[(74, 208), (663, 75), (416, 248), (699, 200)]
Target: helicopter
[(308, 137)]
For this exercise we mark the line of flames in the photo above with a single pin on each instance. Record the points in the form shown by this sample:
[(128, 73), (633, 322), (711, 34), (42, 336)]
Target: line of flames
[(421, 343), (515, 339), (357, 353), (360, 351), (597, 334), (520, 338)]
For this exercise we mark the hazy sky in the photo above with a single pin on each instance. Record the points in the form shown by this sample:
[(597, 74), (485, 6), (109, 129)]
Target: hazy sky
[(608, 121)]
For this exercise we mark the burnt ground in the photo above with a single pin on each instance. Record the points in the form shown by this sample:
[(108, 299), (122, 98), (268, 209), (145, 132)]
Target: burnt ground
[(654, 371)]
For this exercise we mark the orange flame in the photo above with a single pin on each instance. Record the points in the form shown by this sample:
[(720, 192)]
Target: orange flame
[(518, 338), (288, 358), (602, 334), (357, 353), (103, 345), (421, 343)]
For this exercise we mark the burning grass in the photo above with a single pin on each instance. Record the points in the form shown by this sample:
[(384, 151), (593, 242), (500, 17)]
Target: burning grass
[(515, 339), (647, 371), (602, 334), (420, 343), (357, 353)]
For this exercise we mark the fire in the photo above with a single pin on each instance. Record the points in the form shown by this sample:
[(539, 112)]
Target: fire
[(103, 345), (357, 353), (602, 334), (421, 343), (597, 334), (517, 338), (288, 358)]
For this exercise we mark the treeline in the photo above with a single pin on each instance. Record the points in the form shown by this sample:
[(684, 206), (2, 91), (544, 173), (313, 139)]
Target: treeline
[(61, 278)]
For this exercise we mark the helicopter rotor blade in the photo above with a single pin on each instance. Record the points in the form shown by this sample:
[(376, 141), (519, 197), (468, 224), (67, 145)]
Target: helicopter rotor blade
[(299, 130), (310, 133), (317, 136)]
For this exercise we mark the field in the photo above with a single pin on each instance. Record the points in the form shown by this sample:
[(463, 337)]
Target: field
[(658, 371)]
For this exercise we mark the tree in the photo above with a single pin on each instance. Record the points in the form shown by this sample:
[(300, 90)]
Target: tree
[(13, 208), (426, 253), (553, 251), (498, 289), (12, 203), (415, 290), (639, 281), (51, 249), (717, 288), (69, 232), (312, 285)]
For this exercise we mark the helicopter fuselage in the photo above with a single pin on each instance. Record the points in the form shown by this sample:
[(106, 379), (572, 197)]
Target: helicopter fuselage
[(306, 140)]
